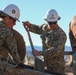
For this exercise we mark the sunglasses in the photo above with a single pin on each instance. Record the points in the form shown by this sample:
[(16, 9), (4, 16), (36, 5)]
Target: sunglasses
[(13, 19), (50, 23), (2, 15)]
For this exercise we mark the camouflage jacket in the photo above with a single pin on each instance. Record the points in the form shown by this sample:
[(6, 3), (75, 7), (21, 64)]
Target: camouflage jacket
[(53, 43), (21, 46), (7, 41)]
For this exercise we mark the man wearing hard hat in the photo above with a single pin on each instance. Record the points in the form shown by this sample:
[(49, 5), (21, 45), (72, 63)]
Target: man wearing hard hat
[(11, 42), (53, 41)]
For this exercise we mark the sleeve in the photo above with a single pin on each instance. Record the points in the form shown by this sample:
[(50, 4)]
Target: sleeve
[(35, 29), (21, 45), (55, 44), (12, 46)]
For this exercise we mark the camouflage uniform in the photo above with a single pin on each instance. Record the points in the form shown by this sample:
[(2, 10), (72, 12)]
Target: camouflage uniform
[(21, 46), (7, 42), (53, 43)]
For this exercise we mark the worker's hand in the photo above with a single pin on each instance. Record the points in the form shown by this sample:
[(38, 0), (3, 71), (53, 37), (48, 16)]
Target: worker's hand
[(26, 24), (35, 53)]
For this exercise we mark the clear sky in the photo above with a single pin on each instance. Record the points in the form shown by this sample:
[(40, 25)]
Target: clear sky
[(35, 10)]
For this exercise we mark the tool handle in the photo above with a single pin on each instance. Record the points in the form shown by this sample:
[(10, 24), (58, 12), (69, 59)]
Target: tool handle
[(30, 40)]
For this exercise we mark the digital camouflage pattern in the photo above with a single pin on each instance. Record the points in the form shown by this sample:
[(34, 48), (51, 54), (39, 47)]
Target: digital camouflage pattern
[(7, 42), (21, 46), (53, 43)]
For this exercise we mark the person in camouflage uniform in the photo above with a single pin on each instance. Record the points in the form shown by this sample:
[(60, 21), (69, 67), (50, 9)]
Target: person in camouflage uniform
[(53, 41), (8, 41)]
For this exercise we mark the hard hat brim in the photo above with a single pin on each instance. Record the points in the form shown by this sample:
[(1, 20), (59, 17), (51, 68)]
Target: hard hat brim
[(9, 15), (54, 20)]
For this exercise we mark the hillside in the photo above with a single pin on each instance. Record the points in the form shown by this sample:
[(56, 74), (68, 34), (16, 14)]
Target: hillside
[(28, 49), (31, 57)]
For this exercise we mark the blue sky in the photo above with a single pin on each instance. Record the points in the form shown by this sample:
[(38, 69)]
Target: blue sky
[(35, 10)]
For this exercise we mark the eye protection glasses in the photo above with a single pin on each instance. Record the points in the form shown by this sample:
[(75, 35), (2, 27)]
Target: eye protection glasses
[(2, 14), (52, 23), (13, 19)]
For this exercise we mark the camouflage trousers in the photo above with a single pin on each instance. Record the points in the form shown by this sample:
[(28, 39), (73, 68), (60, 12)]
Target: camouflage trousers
[(52, 69)]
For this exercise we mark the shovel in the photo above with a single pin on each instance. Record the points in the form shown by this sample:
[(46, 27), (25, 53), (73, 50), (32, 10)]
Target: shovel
[(39, 64)]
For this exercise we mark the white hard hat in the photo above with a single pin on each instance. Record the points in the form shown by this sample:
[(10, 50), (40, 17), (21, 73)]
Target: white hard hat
[(52, 16), (12, 10)]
